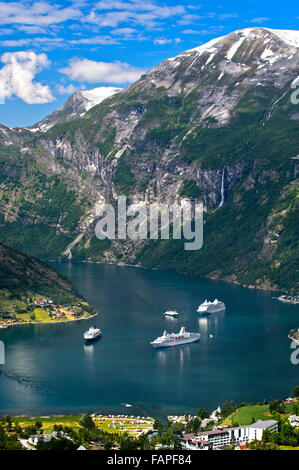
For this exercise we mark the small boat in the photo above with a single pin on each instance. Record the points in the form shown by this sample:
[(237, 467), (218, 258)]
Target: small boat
[(171, 313), (211, 336), (92, 334)]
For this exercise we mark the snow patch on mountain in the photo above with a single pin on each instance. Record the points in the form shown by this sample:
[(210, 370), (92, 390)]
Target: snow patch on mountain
[(244, 33), (97, 95), (290, 37), (76, 106)]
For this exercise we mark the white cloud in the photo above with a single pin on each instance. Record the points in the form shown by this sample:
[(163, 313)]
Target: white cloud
[(38, 13), (43, 42), (146, 13), (261, 19), (123, 31), (225, 16), (162, 41), (85, 70), (66, 89), (16, 77), (188, 19), (190, 31), (32, 29), (97, 40)]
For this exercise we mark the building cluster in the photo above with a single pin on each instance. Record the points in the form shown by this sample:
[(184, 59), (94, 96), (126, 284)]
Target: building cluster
[(219, 438), (214, 417), (57, 311), (34, 439)]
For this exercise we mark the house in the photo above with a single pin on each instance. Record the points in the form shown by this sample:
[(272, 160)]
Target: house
[(205, 422), (289, 400), (214, 416), (294, 420), (35, 438), (81, 448)]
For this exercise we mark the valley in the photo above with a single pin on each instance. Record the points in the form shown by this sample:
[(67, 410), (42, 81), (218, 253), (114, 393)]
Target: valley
[(214, 125)]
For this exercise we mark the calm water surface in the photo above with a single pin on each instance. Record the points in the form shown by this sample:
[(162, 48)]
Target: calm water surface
[(50, 371)]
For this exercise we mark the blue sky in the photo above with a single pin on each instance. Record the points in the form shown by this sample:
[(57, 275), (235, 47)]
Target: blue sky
[(50, 49)]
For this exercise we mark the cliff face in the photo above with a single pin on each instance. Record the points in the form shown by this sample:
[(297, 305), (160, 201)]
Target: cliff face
[(215, 124)]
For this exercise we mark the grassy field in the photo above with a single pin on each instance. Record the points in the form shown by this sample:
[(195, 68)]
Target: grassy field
[(41, 315), (248, 414), (288, 448), (116, 425), (48, 422), (120, 425)]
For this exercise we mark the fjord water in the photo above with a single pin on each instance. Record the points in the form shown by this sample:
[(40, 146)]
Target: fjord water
[(49, 370)]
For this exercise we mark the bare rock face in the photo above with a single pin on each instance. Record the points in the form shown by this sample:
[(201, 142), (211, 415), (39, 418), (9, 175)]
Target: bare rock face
[(219, 115), (76, 106)]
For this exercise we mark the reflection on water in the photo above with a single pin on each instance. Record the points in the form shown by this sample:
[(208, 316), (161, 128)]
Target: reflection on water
[(89, 350), (210, 324), (182, 356)]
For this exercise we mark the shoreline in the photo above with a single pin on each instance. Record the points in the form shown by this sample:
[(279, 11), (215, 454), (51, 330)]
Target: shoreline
[(293, 339), (4, 326), (211, 278)]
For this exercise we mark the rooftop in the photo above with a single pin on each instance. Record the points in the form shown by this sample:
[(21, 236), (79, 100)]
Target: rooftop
[(263, 424)]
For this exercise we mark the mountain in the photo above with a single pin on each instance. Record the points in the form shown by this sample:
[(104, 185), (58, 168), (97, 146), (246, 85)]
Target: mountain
[(77, 105), (23, 277), (216, 124)]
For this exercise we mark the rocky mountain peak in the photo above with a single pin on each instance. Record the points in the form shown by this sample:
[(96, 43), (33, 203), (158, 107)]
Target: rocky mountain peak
[(76, 106), (227, 67)]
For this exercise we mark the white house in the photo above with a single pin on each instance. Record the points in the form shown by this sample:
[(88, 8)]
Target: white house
[(294, 420), (244, 434)]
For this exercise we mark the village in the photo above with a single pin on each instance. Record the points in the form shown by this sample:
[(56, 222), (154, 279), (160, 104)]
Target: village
[(273, 426), (43, 310)]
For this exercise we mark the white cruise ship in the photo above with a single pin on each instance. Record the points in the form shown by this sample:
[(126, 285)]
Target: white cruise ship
[(92, 334), (171, 313), (175, 339), (211, 307)]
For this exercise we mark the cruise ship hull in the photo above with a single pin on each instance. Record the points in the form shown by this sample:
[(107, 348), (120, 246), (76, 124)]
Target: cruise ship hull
[(208, 311), (176, 342)]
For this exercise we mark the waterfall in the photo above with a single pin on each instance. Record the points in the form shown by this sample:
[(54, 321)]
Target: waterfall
[(273, 107), (222, 188)]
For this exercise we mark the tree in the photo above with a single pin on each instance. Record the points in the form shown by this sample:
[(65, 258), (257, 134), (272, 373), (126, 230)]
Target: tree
[(193, 425), (276, 405), (202, 413), (108, 443), (38, 425), (158, 426), (56, 444), (127, 442), (228, 408), (8, 442), (266, 435), (295, 409), (295, 392), (87, 422)]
